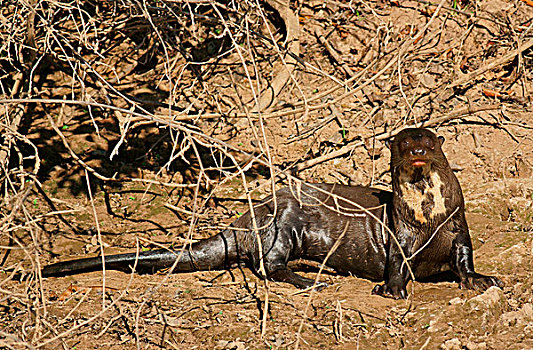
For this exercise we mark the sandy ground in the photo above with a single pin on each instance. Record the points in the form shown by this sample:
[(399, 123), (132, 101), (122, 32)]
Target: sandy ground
[(491, 151)]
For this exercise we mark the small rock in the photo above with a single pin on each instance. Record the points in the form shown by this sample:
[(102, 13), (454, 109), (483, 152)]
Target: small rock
[(437, 69), (452, 344), (519, 318), (374, 149), (230, 345), (456, 167), (432, 326), (518, 288), (476, 346), (428, 81), (492, 301), (514, 189), (527, 310), (516, 252), (456, 301), (437, 326), (506, 213)]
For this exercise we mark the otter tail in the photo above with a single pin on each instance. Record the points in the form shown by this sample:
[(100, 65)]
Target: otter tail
[(214, 253)]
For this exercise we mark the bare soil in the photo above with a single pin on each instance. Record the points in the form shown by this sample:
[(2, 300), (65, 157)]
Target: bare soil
[(209, 77)]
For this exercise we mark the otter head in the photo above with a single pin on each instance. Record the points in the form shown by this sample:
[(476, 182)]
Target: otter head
[(416, 150), (418, 168)]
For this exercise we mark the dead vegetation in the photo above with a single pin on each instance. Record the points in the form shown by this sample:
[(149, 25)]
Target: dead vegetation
[(129, 125)]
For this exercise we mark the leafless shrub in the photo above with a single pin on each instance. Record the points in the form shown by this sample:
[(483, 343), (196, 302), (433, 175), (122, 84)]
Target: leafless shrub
[(197, 85)]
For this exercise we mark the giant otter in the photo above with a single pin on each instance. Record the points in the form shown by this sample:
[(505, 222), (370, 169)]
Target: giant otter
[(425, 211)]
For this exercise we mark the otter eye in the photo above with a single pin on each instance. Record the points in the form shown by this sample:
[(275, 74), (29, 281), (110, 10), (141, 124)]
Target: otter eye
[(404, 145)]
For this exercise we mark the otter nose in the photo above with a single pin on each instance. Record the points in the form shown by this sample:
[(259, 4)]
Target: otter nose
[(418, 152)]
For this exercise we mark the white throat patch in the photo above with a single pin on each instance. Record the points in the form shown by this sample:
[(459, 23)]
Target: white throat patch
[(414, 198)]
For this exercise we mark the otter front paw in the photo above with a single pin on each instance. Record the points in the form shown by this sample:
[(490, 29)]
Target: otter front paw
[(480, 282), (390, 291)]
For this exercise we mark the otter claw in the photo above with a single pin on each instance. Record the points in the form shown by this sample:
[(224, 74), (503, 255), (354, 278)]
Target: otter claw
[(480, 282), (394, 292)]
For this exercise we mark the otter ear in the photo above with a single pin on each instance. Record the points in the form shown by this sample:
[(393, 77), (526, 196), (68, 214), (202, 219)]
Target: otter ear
[(388, 143), (441, 139)]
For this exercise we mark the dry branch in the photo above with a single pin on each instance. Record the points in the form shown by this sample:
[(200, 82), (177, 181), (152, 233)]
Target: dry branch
[(386, 135), (331, 51), (492, 64), (285, 71)]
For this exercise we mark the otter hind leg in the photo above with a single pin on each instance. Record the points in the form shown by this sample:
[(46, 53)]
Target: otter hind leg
[(281, 242), (287, 275), (277, 270)]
